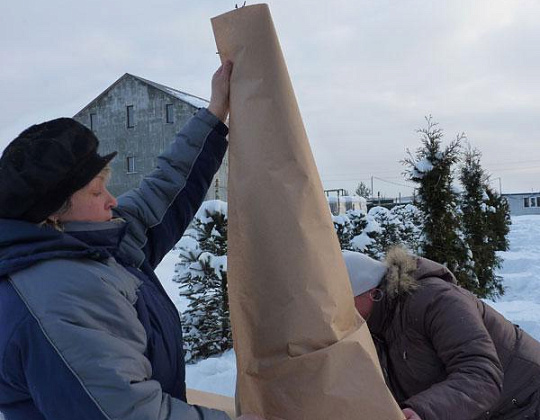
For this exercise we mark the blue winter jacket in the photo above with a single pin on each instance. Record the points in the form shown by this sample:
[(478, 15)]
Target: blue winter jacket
[(86, 329)]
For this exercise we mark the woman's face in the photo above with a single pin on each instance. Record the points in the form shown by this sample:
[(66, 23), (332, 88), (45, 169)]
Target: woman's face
[(92, 203)]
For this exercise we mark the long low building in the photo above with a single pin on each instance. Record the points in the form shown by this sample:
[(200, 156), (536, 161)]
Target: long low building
[(523, 203)]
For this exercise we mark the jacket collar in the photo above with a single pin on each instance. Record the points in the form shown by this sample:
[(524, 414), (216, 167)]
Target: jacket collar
[(23, 244), (378, 317), (102, 235)]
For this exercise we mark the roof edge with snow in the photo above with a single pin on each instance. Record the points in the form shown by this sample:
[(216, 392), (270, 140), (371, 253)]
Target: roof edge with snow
[(192, 100)]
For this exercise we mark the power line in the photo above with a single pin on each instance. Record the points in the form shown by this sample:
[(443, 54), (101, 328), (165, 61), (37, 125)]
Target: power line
[(512, 161), (365, 176), (359, 177), (411, 185), (393, 183), (515, 169), (367, 173)]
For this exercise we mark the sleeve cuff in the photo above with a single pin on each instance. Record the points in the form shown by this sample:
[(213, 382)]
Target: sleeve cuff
[(212, 121)]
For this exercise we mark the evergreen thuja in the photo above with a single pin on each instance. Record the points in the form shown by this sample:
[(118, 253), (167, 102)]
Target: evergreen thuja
[(485, 224), (343, 228), (431, 168), (202, 272)]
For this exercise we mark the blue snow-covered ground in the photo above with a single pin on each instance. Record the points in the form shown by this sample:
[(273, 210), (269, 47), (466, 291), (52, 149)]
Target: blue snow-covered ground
[(521, 273), (520, 304)]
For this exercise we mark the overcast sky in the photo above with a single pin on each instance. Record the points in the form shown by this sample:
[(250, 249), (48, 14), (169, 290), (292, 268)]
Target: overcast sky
[(365, 72)]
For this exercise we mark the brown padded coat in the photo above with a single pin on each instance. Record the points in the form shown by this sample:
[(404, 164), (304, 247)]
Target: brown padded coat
[(448, 355)]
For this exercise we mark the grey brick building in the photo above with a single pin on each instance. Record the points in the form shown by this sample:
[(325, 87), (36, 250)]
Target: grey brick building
[(139, 118)]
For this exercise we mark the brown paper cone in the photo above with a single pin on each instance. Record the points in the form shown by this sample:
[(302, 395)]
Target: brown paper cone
[(302, 350)]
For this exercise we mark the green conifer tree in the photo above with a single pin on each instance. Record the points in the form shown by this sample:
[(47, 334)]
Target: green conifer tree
[(389, 232), (363, 190), (411, 227), (364, 231), (474, 218), (431, 167), (202, 272), (485, 223), (343, 228), (498, 219)]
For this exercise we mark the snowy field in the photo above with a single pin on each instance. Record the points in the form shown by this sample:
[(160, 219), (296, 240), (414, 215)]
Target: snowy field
[(521, 273), (521, 303)]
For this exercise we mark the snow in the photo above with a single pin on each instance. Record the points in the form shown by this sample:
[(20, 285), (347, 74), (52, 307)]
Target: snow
[(520, 304), (165, 272), (361, 242), (217, 262), (488, 209), (190, 99), (339, 219), (188, 243), (216, 374), (212, 207), (521, 273), (422, 167)]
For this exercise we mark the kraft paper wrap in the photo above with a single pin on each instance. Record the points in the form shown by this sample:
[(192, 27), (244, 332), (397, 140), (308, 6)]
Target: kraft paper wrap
[(302, 350), (211, 400)]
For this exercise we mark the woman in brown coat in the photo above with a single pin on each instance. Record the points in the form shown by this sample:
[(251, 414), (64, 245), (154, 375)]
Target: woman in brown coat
[(445, 354)]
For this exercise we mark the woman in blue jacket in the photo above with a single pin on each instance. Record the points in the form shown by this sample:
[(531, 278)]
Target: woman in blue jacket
[(87, 331)]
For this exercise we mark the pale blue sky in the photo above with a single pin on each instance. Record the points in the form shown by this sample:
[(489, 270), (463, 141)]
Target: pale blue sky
[(365, 72)]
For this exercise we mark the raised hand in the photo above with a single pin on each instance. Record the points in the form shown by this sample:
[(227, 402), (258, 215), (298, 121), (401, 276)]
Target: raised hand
[(219, 101)]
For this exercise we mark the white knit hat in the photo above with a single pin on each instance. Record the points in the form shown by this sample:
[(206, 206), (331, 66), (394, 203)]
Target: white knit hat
[(365, 273)]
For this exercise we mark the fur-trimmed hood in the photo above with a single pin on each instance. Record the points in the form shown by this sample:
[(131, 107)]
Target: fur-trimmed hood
[(405, 272), (404, 275)]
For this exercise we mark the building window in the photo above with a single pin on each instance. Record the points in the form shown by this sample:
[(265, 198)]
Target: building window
[(130, 163), (533, 201), (169, 116), (93, 121), (526, 202), (130, 116)]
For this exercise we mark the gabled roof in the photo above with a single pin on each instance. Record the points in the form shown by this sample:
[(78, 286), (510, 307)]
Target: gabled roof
[(185, 97)]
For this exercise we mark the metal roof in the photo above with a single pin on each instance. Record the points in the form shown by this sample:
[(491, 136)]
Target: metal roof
[(193, 100), (183, 96)]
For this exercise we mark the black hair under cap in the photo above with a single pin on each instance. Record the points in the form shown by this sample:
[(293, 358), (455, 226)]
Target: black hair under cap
[(44, 166)]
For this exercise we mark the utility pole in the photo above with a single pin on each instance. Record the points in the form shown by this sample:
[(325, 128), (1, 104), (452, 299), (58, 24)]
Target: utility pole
[(500, 184)]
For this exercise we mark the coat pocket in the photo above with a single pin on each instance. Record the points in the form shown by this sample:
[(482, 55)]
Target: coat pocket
[(524, 405)]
